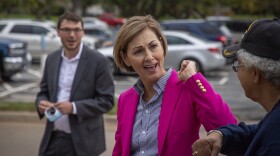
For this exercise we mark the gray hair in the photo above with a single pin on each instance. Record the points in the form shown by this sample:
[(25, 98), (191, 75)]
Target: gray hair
[(270, 68)]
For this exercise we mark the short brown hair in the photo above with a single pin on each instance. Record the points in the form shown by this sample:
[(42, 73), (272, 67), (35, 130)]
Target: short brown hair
[(129, 30), (70, 16)]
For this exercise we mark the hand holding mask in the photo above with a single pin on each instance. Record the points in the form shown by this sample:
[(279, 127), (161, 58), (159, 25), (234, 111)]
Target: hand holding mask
[(52, 114)]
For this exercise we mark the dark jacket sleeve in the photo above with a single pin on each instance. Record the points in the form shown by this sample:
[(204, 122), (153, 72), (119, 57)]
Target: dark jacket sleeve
[(237, 138)]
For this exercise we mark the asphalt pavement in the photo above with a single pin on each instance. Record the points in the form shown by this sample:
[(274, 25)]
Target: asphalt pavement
[(21, 132)]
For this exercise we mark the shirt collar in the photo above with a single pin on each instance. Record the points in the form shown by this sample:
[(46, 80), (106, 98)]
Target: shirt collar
[(161, 83), (77, 57)]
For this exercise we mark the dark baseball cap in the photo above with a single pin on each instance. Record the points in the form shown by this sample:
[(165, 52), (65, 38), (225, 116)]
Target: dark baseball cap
[(262, 39)]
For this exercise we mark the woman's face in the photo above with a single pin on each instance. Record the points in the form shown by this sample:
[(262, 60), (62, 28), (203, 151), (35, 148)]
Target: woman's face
[(145, 55)]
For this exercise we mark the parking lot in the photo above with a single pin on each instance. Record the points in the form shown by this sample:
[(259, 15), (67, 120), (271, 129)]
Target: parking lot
[(24, 86)]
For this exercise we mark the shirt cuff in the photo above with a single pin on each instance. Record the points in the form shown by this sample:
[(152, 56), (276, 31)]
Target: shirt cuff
[(74, 108)]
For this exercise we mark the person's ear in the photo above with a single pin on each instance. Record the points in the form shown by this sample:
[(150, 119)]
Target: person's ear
[(257, 75), (124, 57)]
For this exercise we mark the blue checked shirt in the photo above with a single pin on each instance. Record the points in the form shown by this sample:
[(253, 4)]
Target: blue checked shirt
[(145, 129)]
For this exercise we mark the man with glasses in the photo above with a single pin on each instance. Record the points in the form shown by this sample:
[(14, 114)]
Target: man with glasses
[(257, 63), (75, 90)]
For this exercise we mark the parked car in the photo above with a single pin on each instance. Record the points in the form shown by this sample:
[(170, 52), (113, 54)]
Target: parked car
[(94, 22), (202, 28), (112, 20), (14, 57), (104, 35), (181, 46), (40, 36)]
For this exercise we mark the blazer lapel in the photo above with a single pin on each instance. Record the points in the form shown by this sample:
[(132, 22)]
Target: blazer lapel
[(55, 66), (79, 72), (169, 101)]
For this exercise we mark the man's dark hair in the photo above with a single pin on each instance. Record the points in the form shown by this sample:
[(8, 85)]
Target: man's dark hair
[(69, 16)]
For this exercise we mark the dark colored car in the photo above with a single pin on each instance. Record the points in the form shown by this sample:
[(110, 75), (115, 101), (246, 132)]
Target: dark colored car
[(201, 28), (13, 57)]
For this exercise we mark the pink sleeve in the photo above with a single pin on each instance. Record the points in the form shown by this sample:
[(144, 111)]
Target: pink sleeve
[(210, 108)]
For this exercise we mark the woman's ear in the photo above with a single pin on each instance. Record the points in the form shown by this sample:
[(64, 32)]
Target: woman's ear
[(124, 57)]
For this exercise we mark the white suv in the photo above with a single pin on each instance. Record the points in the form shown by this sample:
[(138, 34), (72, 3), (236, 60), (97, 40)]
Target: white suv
[(40, 36)]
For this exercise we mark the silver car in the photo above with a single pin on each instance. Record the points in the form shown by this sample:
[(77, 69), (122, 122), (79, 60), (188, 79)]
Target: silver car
[(40, 36), (182, 46)]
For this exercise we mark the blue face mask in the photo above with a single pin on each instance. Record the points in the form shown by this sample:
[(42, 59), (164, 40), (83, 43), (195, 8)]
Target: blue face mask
[(52, 114)]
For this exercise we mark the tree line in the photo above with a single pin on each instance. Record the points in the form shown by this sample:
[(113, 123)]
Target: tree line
[(158, 8)]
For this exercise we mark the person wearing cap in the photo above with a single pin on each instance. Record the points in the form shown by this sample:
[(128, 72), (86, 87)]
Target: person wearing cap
[(257, 63)]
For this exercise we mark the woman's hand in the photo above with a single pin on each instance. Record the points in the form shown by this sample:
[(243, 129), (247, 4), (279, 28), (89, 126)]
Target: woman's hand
[(187, 70)]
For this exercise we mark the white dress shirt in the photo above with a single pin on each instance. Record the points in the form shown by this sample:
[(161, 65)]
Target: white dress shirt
[(68, 69)]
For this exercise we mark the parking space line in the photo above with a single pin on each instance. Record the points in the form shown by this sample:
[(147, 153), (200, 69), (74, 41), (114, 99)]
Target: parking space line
[(18, 89), (34, 72), (223, 80), (6, 86), (220, 82)]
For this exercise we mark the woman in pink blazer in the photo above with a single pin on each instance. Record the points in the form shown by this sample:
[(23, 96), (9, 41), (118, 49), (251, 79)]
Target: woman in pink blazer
[(160, 114)]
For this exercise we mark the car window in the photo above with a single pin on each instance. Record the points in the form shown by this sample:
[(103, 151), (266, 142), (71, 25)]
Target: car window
[(89, 22), (204, 27), (98, 32), (178, 26), (28, 29), (39, 30), (2, 26), (93, 32), (22, 29), (171, 40)]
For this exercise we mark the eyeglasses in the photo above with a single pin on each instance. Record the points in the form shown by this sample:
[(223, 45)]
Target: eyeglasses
[(68, 30), (235, 65)]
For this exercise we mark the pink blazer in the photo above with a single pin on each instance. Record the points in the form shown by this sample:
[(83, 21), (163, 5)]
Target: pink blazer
[(185, 106)]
